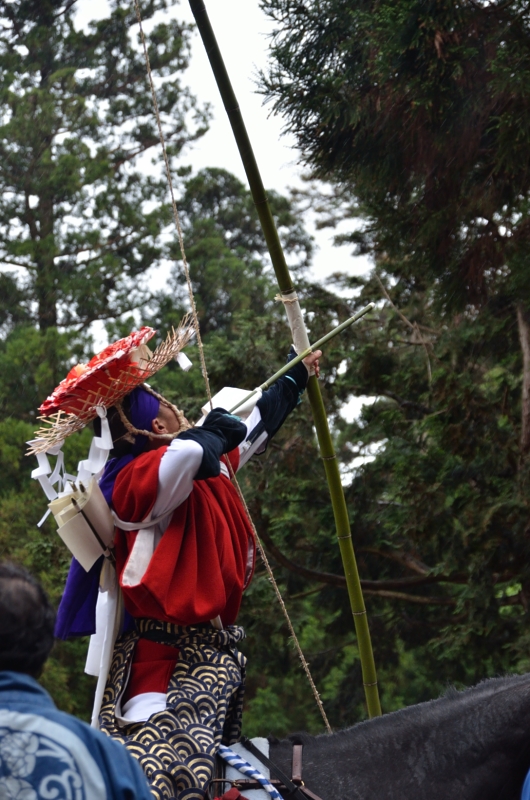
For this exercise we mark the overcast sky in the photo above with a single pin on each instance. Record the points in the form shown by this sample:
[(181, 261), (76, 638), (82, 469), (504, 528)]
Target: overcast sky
[(241, 29), (242, 32)]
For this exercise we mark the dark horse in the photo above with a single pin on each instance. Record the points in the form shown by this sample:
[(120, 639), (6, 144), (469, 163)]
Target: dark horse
[(470, 745)]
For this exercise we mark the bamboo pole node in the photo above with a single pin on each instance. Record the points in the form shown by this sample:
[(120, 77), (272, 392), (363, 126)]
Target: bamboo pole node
[(330, 458), (345, 537), (287, 300), (371, 684), (360, 614)]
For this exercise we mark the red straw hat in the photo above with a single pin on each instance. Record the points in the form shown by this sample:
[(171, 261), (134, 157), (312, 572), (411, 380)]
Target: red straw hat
[(106, 379)]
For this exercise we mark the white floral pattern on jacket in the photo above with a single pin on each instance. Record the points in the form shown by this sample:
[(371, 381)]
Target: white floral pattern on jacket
[(34, 766)]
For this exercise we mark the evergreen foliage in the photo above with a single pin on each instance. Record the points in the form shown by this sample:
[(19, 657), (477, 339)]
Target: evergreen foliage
[(80, 225), (75, 116), (417, 112), (421, 110)]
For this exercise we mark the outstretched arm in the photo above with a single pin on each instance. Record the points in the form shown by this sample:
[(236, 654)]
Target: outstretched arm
[(274, 406), (277, 402), (196, 454)]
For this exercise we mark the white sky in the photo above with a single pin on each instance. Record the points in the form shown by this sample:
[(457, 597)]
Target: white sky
[(244, 48)]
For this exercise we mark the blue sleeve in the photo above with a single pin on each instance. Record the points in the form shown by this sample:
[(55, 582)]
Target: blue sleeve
[(220, 433), (276, 403), (124, 774)]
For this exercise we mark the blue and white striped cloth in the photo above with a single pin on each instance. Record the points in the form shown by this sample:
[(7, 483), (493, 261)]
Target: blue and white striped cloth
[(235, 760)]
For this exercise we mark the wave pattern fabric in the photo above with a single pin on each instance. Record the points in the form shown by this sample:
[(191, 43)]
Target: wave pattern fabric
[(176, 747)]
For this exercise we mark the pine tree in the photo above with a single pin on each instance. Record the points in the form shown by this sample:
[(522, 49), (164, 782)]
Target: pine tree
[(80, 220), (417, 113)]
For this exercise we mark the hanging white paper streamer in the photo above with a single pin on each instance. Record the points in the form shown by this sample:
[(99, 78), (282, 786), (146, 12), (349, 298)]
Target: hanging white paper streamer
[(48, 477), (43, 473), (183, 362), (100, 448)]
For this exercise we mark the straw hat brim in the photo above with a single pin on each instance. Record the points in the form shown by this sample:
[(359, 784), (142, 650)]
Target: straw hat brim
[(105, 380)]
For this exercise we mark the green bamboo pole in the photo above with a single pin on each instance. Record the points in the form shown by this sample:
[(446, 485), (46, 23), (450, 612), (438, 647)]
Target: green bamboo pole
[(285, 283), (304, 354)]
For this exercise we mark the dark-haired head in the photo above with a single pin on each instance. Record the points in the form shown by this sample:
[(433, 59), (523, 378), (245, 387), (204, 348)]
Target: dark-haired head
[(27, 620)]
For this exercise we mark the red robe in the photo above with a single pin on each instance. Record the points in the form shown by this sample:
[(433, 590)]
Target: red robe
[(200, 567)]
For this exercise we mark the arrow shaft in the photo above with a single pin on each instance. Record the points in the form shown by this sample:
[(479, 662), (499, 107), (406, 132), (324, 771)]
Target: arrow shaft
[(311, 349)]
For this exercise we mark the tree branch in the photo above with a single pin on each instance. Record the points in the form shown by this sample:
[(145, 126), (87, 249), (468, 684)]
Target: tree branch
[(405, 559), (66, 8), (375, 587), (407, 403), (16, 264), (411, 598), (523, 324), (414, 326), (111, 314)]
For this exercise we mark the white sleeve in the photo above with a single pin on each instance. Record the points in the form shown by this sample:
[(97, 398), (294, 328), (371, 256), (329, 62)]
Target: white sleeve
[(182, 459), (178, 467)]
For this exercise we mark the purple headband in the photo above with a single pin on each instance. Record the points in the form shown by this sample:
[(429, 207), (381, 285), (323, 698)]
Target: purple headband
[(143, 410)]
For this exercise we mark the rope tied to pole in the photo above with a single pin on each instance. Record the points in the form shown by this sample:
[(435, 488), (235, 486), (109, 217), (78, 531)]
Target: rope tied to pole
[(286, 300)]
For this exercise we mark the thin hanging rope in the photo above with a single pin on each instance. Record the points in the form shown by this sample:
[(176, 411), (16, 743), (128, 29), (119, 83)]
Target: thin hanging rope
[(174, 205), (283, 607), (261, 551)]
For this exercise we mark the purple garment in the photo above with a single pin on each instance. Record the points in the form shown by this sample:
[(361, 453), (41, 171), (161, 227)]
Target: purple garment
[(76, 615)]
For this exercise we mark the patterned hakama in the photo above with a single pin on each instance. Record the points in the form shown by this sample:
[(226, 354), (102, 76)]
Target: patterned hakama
[(176, 747)]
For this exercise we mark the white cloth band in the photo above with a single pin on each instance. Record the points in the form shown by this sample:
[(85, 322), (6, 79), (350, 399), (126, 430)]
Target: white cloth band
[(100, 448)]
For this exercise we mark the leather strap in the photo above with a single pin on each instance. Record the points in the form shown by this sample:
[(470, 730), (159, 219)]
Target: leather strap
[(309, 793), (273, 769), (295, 792), (297, 763)]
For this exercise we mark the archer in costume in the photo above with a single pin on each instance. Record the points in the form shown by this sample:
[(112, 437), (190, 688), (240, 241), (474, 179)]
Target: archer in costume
[(184, 553)]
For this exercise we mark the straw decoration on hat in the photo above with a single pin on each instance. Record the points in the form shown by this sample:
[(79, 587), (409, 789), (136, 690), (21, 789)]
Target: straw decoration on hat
[(107, 378)]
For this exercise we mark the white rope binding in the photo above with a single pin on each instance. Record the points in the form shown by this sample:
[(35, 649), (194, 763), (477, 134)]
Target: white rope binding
[(239, 763)]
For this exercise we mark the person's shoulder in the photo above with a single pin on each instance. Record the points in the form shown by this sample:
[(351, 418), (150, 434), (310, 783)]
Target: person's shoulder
[(144, 460), (121, 770), (101, 766)]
